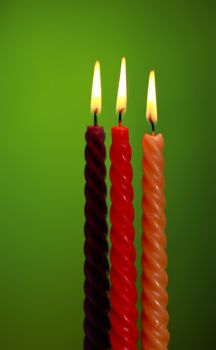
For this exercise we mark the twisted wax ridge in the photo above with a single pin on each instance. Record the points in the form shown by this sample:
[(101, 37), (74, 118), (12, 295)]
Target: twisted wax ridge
[(123, 295), (154, 260), (96, 268)]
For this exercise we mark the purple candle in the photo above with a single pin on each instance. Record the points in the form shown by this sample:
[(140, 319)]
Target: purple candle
[(96, 268)]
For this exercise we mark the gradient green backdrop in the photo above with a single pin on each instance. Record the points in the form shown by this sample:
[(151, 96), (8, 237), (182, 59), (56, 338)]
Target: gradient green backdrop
[(47, 52)]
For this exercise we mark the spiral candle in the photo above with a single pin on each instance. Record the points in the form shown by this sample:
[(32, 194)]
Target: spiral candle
[(96, 287), (155, 317), (123, 295)]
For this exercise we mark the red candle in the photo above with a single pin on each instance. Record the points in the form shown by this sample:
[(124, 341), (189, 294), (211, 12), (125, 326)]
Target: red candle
[(154, 259), (96, 268), (123, 294)]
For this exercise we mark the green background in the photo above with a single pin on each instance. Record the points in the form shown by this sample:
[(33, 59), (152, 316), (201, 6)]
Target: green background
[(47, 53)]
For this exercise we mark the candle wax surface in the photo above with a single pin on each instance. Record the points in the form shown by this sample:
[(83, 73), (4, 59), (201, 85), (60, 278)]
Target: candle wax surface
[(154, 259), (123, 294), (96, 267)]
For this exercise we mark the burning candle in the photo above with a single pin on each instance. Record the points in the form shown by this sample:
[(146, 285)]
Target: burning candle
[(154, 259), (123, 294), (96, 268)]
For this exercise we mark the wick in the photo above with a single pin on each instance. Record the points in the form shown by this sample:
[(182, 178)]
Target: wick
[(153, 127), (120, 118), (95, 118)]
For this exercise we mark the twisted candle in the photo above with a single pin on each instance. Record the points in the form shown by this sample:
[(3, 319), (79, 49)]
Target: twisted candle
[(155, 317), (123, 295), (96, 287)]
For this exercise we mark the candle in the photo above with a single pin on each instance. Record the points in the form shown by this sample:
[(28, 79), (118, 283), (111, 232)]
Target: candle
[(123, 294), (96, 268), (154, 260)]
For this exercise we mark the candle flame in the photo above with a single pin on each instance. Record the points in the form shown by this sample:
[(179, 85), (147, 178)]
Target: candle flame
[(151, 110), (121, 102), (96, 90)]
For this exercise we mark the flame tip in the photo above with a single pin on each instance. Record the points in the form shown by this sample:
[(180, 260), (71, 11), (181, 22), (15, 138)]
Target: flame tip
[(151, 110), (96, 90), (121, 102)]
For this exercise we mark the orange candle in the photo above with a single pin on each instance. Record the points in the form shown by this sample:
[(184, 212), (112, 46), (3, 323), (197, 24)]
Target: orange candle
[(155, 335)]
